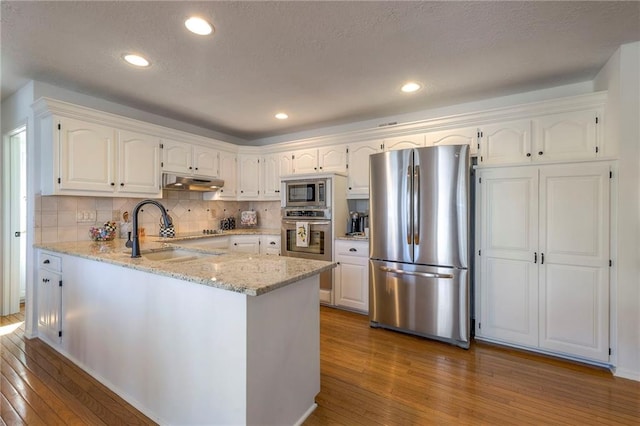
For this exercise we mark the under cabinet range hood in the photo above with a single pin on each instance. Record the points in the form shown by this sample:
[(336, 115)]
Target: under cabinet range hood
[(186, 183)]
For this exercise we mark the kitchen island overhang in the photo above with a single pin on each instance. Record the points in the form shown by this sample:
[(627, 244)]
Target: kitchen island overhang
[(187, 353)]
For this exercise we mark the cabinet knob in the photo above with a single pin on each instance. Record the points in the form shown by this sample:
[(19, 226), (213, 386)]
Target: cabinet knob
[(121, 184), (349, 188), (235, 244), (46, 261), (113, 184), (196, 168), (528, 154), (241, 191), (190, 168), (540, 152), (273, 243)]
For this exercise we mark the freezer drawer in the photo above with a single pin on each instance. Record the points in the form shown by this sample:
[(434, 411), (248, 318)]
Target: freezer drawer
[(428, 301)]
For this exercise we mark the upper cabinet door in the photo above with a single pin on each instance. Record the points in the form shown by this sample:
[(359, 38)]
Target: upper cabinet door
[(305, 161), (271, 179), (205, 161), (404, 142), (567, 136), (285, 160), (358, 167), (228, 173), (504, 143), (332, 159), (465, 136), (176, 157), (87, 156), (138, 163), (249, 176)]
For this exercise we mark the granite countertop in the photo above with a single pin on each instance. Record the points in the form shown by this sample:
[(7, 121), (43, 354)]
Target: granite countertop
[(237, 231), (245, 273)]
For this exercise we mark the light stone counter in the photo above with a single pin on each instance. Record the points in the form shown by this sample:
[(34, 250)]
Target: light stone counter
[(352, 238), (252, 275)]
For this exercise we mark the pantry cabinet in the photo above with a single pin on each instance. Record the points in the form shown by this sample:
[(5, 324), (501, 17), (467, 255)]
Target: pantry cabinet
[(49, 296), (351, 277), (103, 161), (358, 167), (544, 258), (188, 159)]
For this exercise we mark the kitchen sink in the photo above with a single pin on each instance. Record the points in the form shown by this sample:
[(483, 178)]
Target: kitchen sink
[(175, 255)]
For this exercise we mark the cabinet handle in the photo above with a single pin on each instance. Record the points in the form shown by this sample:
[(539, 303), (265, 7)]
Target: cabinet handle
[(528, 154), (352, 249), (46, 261), (121, 184), (540, 153), (190, 168), (113, 184), (542, 258), (535, 257), (273, 243)]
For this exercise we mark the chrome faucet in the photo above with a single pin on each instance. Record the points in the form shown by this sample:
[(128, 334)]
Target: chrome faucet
[(134, 243)]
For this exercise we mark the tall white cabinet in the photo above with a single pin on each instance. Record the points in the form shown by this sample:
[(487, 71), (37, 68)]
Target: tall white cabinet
[(543, 256)]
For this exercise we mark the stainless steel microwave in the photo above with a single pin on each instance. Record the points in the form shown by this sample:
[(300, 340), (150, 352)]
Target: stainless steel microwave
[(305, 193)]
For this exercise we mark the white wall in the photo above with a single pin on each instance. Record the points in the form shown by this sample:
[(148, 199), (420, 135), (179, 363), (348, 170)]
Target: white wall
[(621, 77)]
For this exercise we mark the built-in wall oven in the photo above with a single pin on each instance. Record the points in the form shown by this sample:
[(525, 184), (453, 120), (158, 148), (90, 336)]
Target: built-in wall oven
[(319, 242)]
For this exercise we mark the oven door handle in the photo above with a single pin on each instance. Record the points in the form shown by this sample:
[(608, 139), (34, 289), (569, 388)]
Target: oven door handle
[(311, 222)]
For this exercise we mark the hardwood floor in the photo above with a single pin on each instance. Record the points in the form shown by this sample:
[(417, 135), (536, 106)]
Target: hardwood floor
[(369, 377), (378, 377)]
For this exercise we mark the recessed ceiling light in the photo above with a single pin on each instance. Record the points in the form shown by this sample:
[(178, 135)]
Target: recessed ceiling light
[(411, 87), (198, 26), (136, 60), (281, 116)]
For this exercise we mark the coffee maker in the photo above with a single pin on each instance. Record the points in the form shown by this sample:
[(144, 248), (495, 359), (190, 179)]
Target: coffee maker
[(357, 223)]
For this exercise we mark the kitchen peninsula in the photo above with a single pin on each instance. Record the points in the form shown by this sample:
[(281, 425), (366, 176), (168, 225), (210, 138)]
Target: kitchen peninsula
[(192, 336)]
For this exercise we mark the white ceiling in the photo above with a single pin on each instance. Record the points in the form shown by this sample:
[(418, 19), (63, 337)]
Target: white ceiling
[(324, 63)]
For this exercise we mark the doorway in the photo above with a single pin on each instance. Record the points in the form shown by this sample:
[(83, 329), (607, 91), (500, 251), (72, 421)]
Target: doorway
[(14, 220)]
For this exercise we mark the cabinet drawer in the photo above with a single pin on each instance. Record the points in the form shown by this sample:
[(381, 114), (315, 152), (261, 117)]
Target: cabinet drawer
[(271, 241), (50, 262), (352, 248)]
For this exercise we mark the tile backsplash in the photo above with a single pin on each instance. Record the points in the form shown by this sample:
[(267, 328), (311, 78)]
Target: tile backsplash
[(67, 218)]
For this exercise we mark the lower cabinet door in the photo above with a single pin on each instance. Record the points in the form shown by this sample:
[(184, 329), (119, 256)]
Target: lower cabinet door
[(352, 283), (49, 305)]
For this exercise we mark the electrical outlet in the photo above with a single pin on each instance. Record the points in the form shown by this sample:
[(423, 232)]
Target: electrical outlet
[(86, 216)]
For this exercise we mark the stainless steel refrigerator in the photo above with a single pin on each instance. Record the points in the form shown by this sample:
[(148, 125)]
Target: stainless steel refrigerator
[(419, 242)]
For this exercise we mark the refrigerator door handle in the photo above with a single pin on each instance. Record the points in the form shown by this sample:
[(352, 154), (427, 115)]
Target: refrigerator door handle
[(416, 205), (419, 274), (409, 207)]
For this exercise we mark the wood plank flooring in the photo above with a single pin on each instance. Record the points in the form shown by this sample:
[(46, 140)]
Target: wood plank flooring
[(369, 377)]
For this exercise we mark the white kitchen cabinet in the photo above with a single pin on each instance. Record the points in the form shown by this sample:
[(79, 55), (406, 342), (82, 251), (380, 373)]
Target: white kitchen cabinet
[(286, 163), (249, 176), (93, 162), (503, 143), (351, 283), (228, 173), (188, 159), (324, 160), (138, 165), (245, 243), (87, 155), (544, 258), (358, 167), (271, 177), (270, 245), (508, 202), (404, 142), (574, 135), (463, 136), (49, 297)]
